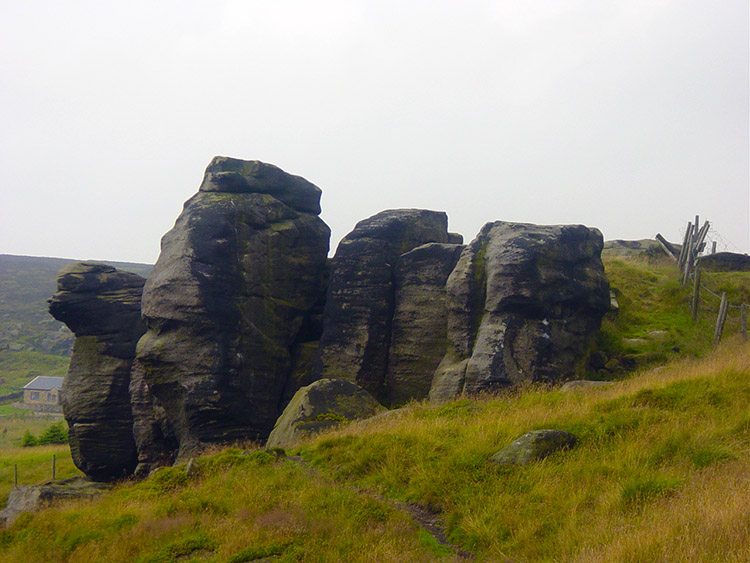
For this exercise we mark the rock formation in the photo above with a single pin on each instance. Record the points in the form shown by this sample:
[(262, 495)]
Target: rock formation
[(237, 279), (101, 305), (725, 262), (524, 303), (419, 325), (359, 307), (243, 308)]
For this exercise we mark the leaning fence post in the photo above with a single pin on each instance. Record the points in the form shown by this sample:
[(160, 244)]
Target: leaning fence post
[(668, 248), (721, 318), (696, 294), (688, 264), (683, 250), (743, 321)]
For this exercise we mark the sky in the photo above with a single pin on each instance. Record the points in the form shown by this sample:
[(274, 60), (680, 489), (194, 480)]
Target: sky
[(629, 116)]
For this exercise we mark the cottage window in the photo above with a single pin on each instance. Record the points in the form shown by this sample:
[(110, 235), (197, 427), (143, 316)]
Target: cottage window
[(34, 395), (50, 397)]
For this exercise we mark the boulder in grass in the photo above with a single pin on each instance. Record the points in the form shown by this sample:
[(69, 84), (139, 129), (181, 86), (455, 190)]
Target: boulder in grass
[(583, 385), (534, 446), (321, 405), (32, 498)]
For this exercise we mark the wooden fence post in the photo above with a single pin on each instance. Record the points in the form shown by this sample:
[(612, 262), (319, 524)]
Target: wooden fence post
[(15, 475), (696, 294), (688, 265), (685, 239), (743, 321), (699, 244), (721, 318), (53, 467), (713, 247), (668, 248)]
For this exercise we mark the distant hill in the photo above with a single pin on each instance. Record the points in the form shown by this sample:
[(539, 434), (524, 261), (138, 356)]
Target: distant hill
[(26, 282)]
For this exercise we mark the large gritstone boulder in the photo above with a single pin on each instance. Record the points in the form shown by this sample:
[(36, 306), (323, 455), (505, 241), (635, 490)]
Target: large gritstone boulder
[(360, 302), (323, 404), (524, 303), (419, 326), (102, 306), (236, 280)]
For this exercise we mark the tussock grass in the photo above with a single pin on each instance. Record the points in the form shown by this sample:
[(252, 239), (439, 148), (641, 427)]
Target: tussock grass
[(660, 473), (645, 447)]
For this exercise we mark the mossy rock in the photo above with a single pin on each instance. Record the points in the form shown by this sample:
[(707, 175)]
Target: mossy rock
[(324, 404), (534, 446)]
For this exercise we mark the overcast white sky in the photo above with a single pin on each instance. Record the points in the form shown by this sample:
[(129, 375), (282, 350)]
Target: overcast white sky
[(630, 116)]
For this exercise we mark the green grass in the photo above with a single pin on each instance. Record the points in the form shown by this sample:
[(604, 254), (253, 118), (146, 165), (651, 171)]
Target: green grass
[(12, 428), (661, 458), (34, 466), (651, 298)]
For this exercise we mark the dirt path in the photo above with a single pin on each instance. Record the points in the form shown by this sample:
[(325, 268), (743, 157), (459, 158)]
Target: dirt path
[(432, 523)]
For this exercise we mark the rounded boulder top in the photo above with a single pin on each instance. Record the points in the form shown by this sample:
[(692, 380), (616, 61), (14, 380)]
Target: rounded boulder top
[(232, 175)]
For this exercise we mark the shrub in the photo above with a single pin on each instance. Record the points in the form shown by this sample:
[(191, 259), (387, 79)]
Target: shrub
[(54, 434), (28, 440)]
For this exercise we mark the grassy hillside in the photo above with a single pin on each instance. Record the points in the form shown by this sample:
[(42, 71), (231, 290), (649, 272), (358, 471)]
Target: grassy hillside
[(654, 323), (659, 473)]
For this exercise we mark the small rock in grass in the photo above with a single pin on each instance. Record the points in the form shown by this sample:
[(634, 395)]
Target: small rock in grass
[(583, 385), (31, 498), (534, 446)]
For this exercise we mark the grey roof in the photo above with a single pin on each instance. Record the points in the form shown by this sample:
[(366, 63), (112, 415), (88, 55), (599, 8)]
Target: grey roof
[(44, 383)]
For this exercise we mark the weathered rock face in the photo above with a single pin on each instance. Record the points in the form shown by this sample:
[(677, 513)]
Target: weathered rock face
[(155, 438), (320, 405), (524, 303), (101, 305), (360, 303), (419, 326), (236, 280)]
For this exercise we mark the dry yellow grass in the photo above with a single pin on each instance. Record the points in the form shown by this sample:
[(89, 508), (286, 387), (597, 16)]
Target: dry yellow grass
[(660, 473)]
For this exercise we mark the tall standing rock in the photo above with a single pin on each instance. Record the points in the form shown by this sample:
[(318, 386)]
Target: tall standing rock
[(236, 279), (360, 302), (525, 302), (419, 327), (102, 306)]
